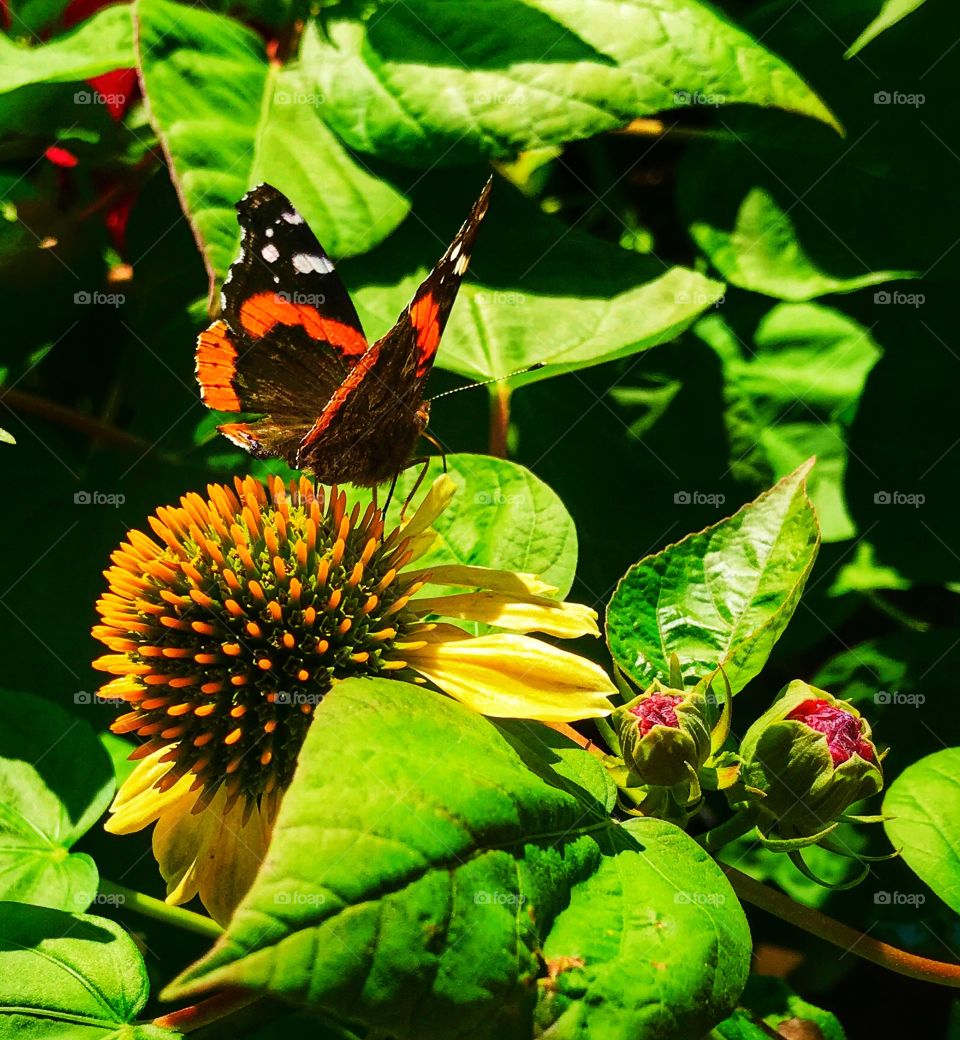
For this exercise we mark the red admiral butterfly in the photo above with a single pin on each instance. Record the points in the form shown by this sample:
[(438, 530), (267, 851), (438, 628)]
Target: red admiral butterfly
[(289, 347)]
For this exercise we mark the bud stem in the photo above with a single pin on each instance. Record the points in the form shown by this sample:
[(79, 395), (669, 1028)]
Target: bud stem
[(841, 935), (742, 822), (161, 911)]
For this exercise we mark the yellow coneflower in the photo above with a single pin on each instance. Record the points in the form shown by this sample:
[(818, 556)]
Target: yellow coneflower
[(229, 627)]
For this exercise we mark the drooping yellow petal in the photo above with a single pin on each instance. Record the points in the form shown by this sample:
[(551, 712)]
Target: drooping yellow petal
[(533, 614), (138, 803), (514, 676), (507, 582), (213, 854)]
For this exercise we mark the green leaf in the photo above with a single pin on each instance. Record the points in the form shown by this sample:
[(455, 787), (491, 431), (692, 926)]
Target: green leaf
[(538, 291), (772, 1003), (100, 44), (795, 391), (70, 977), (762, 252), (924, 803), (228, 120), (630, 949), (56, 781), (722, 596), (426, 81), (892, 12), (415, 898), (534, 533)]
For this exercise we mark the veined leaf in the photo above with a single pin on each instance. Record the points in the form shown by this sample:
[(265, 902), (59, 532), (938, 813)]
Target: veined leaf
[(722, 596), (422, 81), (410, 890), (923, 804), (228, 120), (56, 781)]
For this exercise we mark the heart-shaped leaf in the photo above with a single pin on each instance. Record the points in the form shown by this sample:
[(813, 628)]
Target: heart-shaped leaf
[(923, 804), (410, 889), (722, 596), (229, 119), (56, 781), (70, 977)]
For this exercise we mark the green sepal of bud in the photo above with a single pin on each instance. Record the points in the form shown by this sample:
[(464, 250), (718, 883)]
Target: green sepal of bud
[(658, 752), (789, 773)]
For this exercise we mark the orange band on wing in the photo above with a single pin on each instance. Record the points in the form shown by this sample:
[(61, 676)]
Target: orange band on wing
[(216, 366), (262, 311), (343, 392), (423, 317)]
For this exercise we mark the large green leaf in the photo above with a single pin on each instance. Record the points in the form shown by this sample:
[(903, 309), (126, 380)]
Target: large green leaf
[(722, 596), (924, 806), (538, 291), (631, 949), (229, 119), (795, 391), (892, 12), (102, 43), (55, 783), (70, 977), (760, 250), (426, 81), (502, 516), (410, 888)]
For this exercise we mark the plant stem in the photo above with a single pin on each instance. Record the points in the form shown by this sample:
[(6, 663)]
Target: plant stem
[(739, 824), (841, 935), (95, 429), (161, 911), (578, 738), (499, 419), (189, 1019)]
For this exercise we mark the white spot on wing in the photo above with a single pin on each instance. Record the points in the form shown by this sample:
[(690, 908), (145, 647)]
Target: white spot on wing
[(269, 232), (462, 264), (455, 252), (270, 252), (307, 262), (293, 218)]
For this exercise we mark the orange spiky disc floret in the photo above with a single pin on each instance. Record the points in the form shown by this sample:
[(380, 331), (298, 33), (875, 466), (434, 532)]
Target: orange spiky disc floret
[(229, 628)]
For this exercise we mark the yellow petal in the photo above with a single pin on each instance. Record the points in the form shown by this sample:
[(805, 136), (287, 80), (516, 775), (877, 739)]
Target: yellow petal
[(514, 676), (507, 582), (138, 803), (533, 614), (436, 500), (213, 854)]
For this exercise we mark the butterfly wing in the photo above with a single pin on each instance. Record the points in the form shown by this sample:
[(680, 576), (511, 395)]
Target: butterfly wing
[(372, 422), (289, 333)]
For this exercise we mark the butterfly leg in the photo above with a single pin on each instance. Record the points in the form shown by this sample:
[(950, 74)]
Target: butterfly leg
[(386, 505), (427, 435), (416, 483)]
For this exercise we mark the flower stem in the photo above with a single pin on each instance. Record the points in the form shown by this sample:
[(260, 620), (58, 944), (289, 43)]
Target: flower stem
[(499, 419), (189, 1019), (739, 824), (578, 738), (157, 908), (841, 935)]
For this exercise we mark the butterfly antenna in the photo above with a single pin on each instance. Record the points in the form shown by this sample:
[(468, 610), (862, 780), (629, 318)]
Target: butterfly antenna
[(487, 382)]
